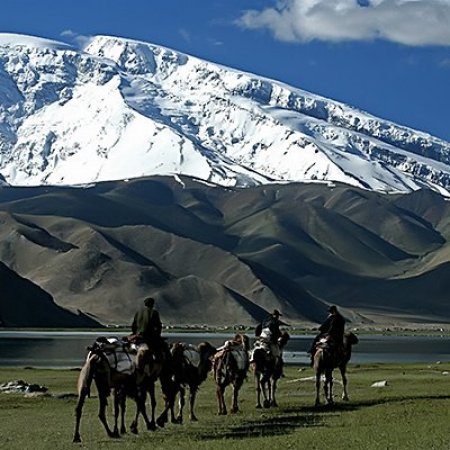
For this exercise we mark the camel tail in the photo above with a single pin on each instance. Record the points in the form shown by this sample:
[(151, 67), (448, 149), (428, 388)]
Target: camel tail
[(86, 376)]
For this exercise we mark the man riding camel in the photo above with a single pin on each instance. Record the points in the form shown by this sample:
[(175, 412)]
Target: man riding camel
[(334, 327), (269, 331), (147, 326)]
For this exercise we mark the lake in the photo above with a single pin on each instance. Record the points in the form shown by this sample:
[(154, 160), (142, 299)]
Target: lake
[(67, 349)]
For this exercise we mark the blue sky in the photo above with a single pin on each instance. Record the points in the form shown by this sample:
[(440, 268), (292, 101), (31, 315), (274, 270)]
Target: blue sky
[(388, 57)]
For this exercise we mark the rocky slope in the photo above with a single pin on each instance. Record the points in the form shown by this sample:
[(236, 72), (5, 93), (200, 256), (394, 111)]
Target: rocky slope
[(223, 256)]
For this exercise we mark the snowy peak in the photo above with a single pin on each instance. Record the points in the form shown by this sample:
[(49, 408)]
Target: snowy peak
[(122, 109)]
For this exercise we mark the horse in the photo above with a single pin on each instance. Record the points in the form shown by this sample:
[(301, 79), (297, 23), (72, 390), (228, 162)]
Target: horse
[(268, 369), (190, 365), (151, 366), (107, 379), (326, 358), (230, 366)]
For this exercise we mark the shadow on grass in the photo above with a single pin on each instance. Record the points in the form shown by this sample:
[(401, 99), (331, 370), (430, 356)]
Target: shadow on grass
[(289, 419), (353, 406), (266, 426)]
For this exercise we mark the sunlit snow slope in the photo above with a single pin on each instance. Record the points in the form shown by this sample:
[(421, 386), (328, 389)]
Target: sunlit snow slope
[(121, 109)]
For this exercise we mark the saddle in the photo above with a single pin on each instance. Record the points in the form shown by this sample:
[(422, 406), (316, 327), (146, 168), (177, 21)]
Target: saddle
[(239, 353), (191, 355), (117, 352), (327, 343)]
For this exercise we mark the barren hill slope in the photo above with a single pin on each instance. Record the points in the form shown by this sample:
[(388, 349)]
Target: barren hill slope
[(226, 255)]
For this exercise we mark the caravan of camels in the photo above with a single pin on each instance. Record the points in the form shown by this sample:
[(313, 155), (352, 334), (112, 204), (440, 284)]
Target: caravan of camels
[(132, 366)]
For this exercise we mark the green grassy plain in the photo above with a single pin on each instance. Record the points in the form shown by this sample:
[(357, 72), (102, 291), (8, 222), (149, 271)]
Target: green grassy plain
[(411, 412)]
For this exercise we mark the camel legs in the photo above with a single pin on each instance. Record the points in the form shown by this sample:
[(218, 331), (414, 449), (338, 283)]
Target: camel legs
[(141, 409), (170, 391), (344, 383), (181, 403), (258, 391), (220, 392), (273, 390), (192, 396), (318, 375), (119, 409), (263, 387), (328, 387), (102, 414), (123, 407), (236, 386), (152, 424), (78, 412)]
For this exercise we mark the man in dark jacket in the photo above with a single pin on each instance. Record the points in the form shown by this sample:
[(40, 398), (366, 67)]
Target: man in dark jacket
[(334, 326), (273, 322), (147, 324)]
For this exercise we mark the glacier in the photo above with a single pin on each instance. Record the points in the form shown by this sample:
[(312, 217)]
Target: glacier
[(119, 109)]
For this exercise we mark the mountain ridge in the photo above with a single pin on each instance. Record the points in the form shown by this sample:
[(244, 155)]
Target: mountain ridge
[(122, 109)]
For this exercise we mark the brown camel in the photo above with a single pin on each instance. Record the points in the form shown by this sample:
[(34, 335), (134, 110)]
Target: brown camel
[(230, 366), (97, 368), (190, 367), (327, 358), (268, 369), (152, 366)]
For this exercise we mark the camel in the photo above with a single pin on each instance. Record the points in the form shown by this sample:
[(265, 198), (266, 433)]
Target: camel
[(268, 369), (97, 368), (150, 367), (191, 365), (326, 359), (230, 366)]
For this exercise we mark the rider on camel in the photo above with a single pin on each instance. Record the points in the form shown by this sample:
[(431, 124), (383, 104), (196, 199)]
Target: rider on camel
[(147, 325), (334, 327), (269, 330)]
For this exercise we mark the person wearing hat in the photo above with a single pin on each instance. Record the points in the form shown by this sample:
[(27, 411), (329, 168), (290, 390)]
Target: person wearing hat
[(147, 323), (334, 326), (273, 322), (269, 330)]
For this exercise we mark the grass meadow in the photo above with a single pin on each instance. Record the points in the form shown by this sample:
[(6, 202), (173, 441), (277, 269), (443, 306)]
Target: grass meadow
[(411, 412)]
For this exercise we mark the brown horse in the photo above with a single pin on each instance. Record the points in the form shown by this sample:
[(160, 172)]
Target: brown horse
[(97, 368), (230, 366), (268, 368), (190, 365), (326, 358)]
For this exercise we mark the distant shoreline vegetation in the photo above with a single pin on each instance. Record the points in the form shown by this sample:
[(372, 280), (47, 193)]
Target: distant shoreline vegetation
[(426, 330)]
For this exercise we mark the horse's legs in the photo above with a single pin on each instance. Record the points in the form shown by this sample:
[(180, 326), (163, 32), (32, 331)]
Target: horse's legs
[(318, 388), (78, 412), (192, 395), (344, 383)]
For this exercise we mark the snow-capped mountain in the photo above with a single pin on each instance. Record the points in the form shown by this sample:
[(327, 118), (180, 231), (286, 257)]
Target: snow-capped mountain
[(121, 109)]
